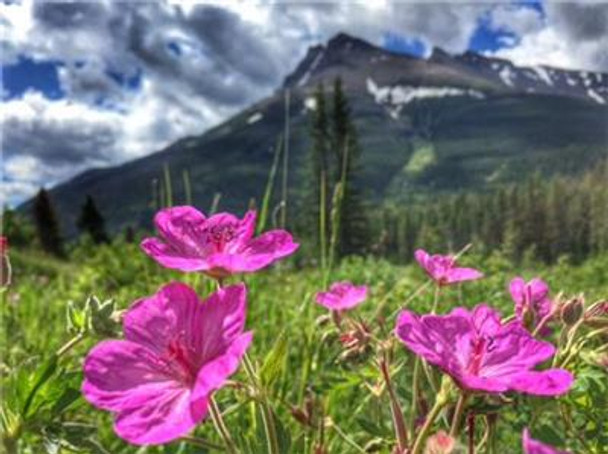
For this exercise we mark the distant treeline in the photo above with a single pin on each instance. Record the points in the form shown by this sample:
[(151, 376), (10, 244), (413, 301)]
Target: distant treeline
[(545, 219)]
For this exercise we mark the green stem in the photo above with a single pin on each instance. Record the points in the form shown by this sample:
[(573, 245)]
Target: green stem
[(436, 299), (491, 420), (397, 414), (348, 440), (70, 344), (428, 423), (202, 443), (220, 426), (458, 414), (266, 412), (415, 394)]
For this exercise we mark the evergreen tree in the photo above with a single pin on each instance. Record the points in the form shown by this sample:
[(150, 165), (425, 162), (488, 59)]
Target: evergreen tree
[(91, 222), (316, 171), (354, 224), (47, 225)]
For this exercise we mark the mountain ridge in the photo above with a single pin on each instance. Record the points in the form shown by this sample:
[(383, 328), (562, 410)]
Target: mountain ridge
[(446, 123)]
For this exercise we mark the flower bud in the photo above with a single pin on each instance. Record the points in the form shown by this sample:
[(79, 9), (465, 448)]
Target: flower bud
[(103, 322), (440, 443), (597, 315), (572, 311)]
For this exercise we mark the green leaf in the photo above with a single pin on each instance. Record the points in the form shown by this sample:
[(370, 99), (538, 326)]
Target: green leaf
[(274, 363), (39, 378)]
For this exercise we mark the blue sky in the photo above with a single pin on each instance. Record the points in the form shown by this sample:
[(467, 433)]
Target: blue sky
[(96, 83)]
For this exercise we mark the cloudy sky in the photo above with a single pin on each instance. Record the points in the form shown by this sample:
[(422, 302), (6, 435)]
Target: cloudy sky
[(98, 83)]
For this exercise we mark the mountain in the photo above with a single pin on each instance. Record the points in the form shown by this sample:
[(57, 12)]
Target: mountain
[(446, 123)]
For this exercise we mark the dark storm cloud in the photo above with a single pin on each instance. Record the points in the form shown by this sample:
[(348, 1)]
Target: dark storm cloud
[(233, 44), (64, 16), (585, 22)]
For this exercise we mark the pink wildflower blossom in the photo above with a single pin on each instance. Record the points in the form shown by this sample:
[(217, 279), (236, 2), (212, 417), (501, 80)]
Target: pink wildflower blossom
[(480, 353), (177, 351), (532, 446), (443, 270), (219, 245), (342, 296), (532, 303)]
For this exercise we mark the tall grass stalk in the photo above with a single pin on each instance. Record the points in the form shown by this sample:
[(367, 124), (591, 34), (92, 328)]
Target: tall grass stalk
[(215, 203), (263, 219), (285, 163), (323, 226), (187, 186), (336, 211), (168, 186)]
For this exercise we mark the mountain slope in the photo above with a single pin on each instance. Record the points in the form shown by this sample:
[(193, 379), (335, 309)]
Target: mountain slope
[(444, 123)]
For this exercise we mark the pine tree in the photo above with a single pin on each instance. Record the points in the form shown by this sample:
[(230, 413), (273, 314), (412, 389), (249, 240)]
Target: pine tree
[(47, 225), (91, 222), (316, 171), (354, 224)]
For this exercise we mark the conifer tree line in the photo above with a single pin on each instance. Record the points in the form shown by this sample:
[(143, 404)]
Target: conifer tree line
[(545, 219), (333, 165)]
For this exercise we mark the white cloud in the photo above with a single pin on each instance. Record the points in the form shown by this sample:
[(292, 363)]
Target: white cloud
[(571, 36), (200, 63)]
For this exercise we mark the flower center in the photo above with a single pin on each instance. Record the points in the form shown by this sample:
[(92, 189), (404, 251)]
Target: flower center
[(179, 359), (220, 235), (479, 347)]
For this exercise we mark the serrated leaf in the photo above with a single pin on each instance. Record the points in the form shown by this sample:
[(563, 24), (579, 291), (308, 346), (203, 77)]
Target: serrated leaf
[(274, 363)]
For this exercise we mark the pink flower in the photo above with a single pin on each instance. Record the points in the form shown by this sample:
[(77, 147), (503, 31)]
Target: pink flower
[(480, 353), (177, 351), (342, 296), (443, 270), (531, 300), (219, 246), (532, 446)]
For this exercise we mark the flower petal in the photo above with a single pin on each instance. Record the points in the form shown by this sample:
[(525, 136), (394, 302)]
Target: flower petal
[(514, 349), (434, 338), (219, 321), (552, 382), (179, 225), (214, 374), (422, 257), (463, 274), (167, 256), (156, 320), (266, 248), (244, 231), (163, 418), (122, 374)]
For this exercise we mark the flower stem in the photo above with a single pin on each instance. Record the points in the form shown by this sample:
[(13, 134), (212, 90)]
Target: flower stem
[(458, 414), (266, 412), (428, 423), (436, 299), (415, 394), (70, 344), (202, 443), (471, 423), (220, 426), (397, 414)]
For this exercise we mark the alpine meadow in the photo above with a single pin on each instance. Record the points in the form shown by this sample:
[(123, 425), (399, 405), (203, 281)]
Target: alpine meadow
[(308, 228)]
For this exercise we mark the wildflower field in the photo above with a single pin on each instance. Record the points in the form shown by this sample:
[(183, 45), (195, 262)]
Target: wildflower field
[(209, 337)]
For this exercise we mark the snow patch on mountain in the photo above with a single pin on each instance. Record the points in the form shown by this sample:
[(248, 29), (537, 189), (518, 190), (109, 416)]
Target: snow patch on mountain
[(507, 75), (310, 69), (395, 97), (255, 118), (595, 96), (543, 74)]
